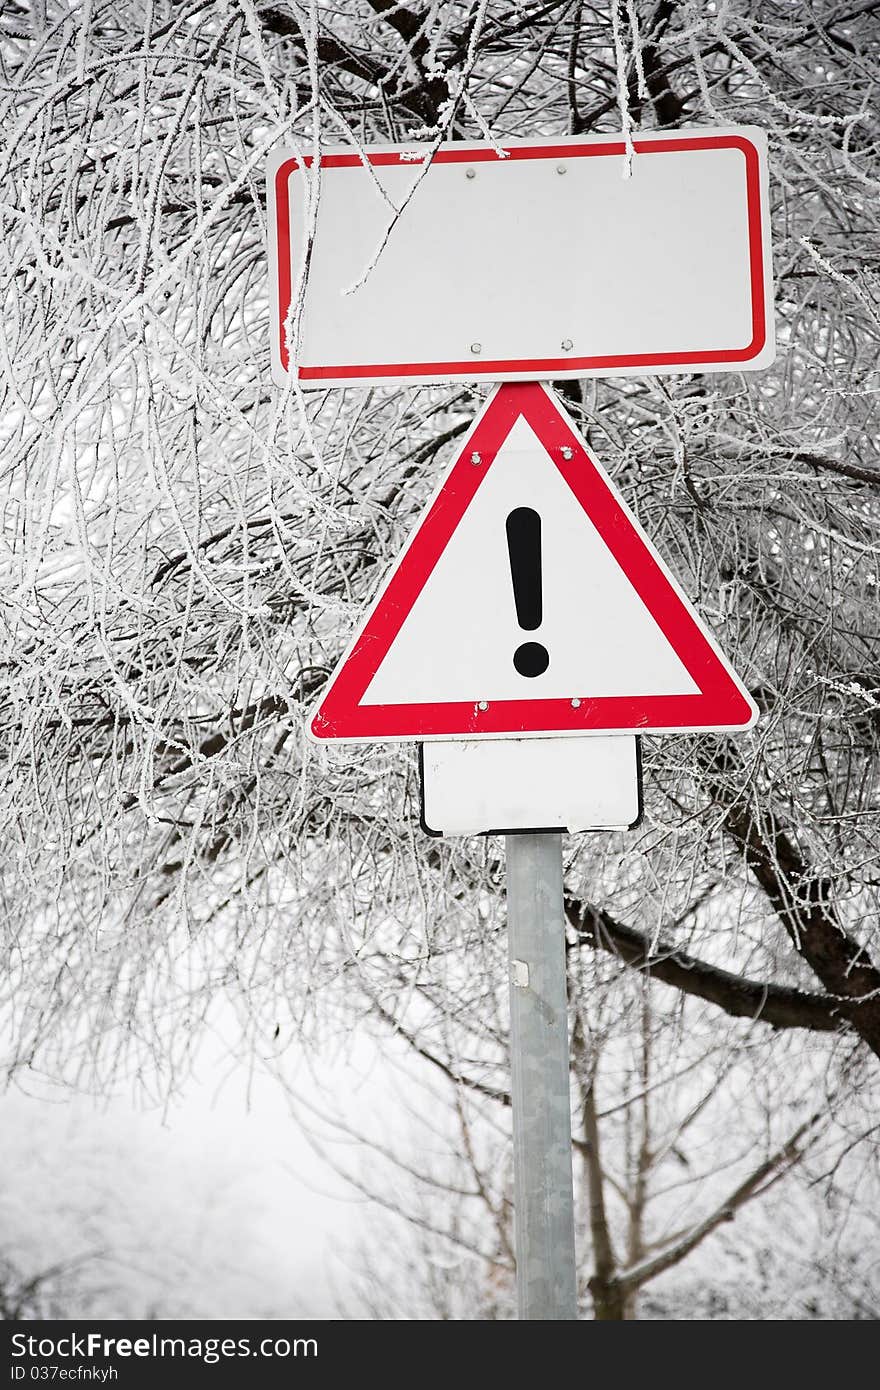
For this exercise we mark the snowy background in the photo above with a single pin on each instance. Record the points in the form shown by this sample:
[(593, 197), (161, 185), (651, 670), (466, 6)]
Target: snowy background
[(253, 1026)]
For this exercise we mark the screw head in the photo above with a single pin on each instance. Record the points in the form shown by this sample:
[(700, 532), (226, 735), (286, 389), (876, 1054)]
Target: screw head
[(476, 458), (470, 173), (560, 168), (567, 452), (575, 704), (476, 348), (483, 704), (566, 345)]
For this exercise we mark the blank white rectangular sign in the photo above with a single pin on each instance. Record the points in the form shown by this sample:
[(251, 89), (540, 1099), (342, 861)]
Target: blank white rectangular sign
[(471, 787), (536, 260)]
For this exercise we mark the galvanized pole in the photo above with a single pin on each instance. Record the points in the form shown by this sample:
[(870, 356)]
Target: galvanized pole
[(543, 1197)]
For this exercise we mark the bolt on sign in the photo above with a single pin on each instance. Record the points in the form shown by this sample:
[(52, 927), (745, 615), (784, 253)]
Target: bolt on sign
[(528, 260)]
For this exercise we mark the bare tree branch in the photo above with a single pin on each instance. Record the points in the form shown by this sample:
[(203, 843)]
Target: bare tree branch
[(757, 1182), (777, 1005)]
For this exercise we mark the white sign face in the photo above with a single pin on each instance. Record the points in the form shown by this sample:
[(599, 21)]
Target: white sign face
[(477, 787), (528, 600), (603, 645), (544, 262)]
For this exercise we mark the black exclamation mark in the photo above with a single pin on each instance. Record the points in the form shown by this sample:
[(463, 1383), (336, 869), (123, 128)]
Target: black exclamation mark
[(524, 548)]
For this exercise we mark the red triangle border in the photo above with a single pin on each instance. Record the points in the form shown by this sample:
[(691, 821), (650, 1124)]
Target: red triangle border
[(721, 704)]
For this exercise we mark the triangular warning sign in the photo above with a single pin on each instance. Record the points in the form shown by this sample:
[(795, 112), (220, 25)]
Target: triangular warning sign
[(528, 600)]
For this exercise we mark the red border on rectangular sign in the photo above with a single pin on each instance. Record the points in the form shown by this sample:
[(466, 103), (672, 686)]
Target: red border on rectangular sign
[(548, 366)]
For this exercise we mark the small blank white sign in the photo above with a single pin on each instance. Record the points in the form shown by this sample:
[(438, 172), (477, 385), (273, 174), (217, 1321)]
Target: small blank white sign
[(543, 262), (471, 787)]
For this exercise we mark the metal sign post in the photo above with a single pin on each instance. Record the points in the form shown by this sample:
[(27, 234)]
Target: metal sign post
[(543, 1196)]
